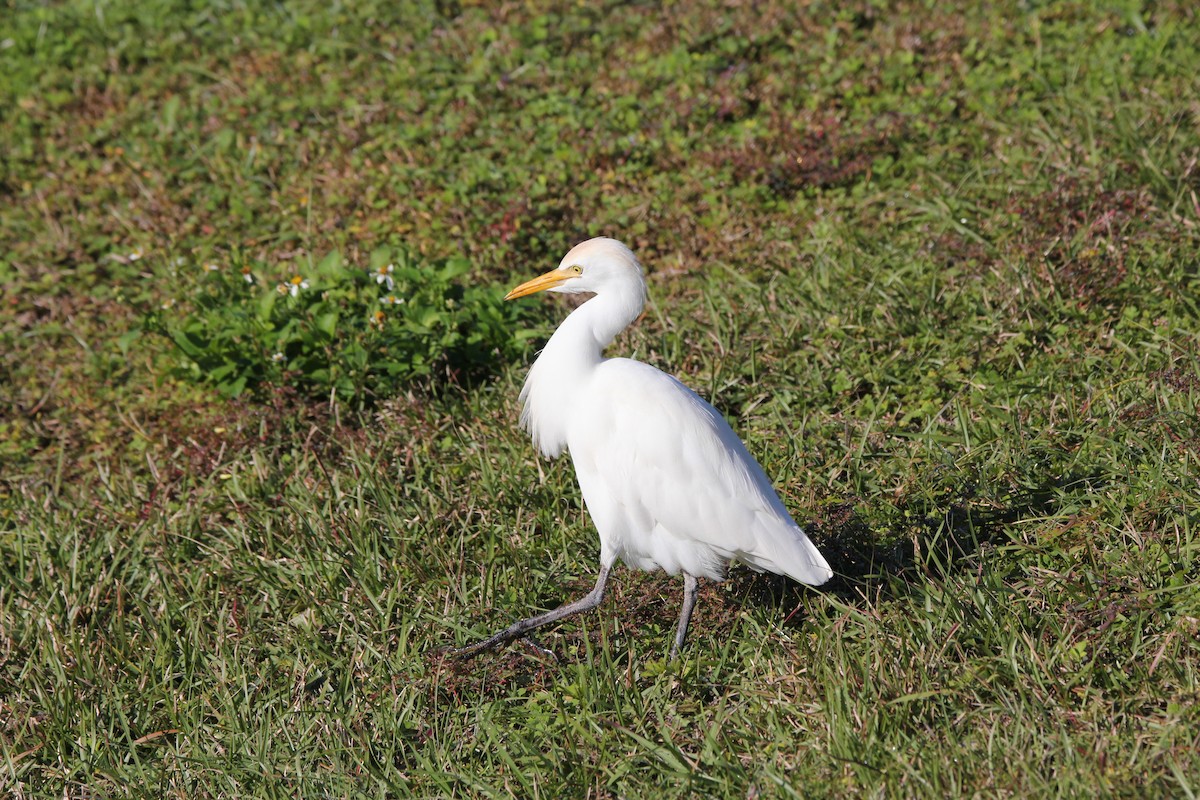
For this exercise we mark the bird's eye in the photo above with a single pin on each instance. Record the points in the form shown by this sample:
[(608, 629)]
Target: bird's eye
[(578, 270)]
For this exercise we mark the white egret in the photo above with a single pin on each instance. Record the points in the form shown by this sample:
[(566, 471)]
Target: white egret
[(667, 482)]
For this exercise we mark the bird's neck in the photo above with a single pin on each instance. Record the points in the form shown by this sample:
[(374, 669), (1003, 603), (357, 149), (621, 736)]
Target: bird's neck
[(590, 328), (564, 366)]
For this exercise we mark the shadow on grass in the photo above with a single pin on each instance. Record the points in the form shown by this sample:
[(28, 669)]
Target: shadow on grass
[(938, 544)]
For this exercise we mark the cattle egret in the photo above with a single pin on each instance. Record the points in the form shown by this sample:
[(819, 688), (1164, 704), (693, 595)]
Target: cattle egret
[(667, 482)]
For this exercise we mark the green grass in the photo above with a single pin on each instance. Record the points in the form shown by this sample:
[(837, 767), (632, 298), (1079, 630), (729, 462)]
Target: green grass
[(938, 267)]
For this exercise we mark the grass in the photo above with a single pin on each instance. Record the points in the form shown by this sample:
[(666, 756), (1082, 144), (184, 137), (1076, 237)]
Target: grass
[(938, 267)]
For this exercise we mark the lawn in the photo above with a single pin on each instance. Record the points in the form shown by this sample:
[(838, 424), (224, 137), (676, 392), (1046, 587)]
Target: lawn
[(938, 266)]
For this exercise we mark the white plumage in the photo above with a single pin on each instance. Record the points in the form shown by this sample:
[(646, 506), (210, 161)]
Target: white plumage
[(667, 482)]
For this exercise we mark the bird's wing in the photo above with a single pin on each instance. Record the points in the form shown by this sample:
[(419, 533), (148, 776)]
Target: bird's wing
[(673, 463)]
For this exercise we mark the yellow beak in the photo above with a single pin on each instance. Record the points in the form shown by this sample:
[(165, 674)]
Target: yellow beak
[(539, 284)]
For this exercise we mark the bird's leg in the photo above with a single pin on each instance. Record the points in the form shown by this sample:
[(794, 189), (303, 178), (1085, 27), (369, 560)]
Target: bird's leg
[(690, 588), (524, 626)]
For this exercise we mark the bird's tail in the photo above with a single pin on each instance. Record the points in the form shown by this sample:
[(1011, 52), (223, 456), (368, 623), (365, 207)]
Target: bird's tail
[(791, 553)]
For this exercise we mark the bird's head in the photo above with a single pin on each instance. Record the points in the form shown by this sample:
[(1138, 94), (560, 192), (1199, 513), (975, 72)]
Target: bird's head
[(597, 265)]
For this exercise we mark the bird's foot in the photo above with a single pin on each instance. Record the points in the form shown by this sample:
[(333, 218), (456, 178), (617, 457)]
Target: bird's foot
[(545, 652)]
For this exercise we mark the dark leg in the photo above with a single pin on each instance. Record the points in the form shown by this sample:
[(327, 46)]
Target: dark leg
[(522, 627), (690, 588)]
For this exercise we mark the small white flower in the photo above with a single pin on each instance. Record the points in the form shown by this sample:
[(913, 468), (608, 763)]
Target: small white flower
[(277, 357), (135, 255), (247, 275), (384, 275), (392, 300), (293, 286), (210, 267)]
